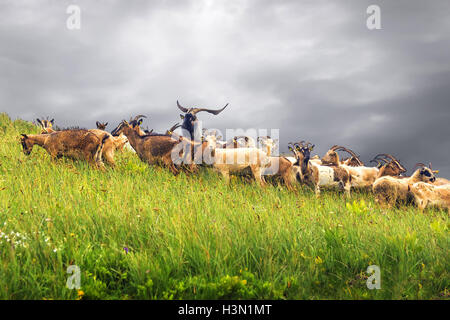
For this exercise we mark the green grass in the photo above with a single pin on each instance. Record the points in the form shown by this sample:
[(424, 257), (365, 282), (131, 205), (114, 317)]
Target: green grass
[(192, 237)]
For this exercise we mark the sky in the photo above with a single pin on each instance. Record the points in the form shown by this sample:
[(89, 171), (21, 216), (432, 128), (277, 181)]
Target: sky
[(311, 69)]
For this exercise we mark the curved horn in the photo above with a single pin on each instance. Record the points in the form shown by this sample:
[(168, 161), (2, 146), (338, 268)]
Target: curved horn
[(353, 154), (333, 148), (182, 108), (378, 157), (138, 117), (215, 112), (176, 125), (388, 156), (419, 164)]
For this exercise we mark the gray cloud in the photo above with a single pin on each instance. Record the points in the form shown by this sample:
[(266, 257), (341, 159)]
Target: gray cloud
[(310, 68)]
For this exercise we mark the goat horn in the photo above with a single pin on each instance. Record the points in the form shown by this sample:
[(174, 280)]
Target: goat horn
[(352, 153), (176, 125), (420, 164), (215, 112), (182, 108), (333, 148), (138, 117), (377, 159)]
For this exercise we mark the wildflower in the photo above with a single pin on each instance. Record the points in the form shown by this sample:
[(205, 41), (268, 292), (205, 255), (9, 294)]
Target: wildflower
[(80, 294), (126, 249), (318, 260)]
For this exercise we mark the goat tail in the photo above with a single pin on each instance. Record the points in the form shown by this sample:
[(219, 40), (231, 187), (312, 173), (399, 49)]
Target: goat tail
[(105, 137), (98, 153)]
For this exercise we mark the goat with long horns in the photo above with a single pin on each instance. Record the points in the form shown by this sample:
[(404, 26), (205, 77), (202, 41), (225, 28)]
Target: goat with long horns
[(190, 117)]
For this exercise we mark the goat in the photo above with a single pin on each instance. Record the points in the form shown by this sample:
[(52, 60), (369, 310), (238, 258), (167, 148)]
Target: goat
[(318, 176), (187, 143), (77, 144), (101, 126), (190, 118), (439, 181), (390, 190), (110, 145), (152, 149), (235, 160), (428, 195), (45, 123)]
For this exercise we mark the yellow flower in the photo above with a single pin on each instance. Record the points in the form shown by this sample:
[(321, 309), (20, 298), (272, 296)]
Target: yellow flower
[(318, 260), (244, 282), (80, 293)]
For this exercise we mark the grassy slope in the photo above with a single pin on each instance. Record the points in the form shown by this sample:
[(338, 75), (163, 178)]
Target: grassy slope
[(193, 237)]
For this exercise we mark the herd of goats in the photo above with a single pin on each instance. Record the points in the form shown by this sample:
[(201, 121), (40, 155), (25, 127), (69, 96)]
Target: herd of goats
[(242, 155)]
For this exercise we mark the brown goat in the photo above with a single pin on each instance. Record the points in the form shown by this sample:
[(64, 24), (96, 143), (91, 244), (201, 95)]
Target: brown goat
[(45, 123), (101, 126), (109, 147), (152, 149), (77, 144)]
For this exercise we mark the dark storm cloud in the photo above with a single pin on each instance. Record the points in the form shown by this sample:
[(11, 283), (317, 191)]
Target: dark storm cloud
[(310, 68)]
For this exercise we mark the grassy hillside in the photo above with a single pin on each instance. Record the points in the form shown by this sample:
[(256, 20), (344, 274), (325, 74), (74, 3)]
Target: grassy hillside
[(138, 232)]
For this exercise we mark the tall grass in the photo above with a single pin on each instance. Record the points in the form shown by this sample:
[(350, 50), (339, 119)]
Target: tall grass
[(138, 232)]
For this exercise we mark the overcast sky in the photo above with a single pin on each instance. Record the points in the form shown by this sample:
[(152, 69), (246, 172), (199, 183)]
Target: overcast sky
[(309, 68)]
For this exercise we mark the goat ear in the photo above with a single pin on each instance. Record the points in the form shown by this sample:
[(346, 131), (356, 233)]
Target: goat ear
[(290, 148), (435, 171), (106, 124), (39, 121), (140, 122), (52, 121), (97, 123), (24, 135), (182, 117)]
